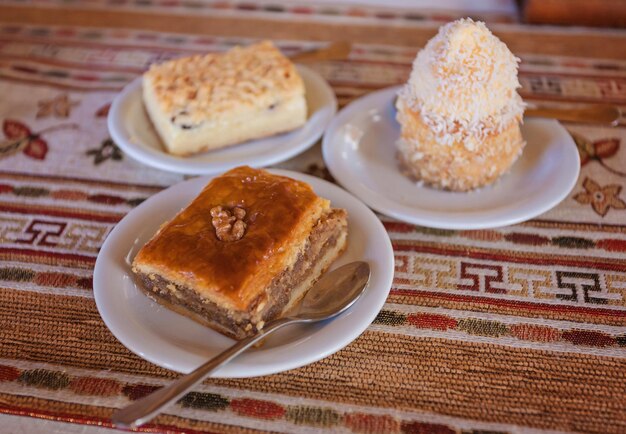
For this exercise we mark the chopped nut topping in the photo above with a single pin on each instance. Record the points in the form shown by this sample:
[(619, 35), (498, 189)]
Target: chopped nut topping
[(228, 224), (240, 213), (209, 87)]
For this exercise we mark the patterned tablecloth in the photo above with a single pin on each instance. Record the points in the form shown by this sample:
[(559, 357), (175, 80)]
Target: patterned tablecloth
[(521, 328)]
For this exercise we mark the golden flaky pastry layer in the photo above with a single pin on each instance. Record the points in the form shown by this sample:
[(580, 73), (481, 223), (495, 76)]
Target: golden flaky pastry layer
[(232, 266)]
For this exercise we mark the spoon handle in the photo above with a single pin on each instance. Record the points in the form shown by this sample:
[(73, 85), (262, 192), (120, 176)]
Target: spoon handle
[(336, 51), (602, 114), (148, 407)]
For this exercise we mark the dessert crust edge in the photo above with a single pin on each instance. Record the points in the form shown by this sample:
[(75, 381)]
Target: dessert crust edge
[(245, 323)]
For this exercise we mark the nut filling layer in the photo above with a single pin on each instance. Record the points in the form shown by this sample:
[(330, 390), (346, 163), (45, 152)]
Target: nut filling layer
[(321, 242)]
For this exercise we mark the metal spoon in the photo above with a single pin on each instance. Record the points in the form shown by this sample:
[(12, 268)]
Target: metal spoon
[(335, 292), (600, 114), (336, 51), (609, 115)]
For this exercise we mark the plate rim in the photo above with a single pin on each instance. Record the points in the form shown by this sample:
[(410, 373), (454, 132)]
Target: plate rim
[(381, 294), (373, 198), (170, 163)]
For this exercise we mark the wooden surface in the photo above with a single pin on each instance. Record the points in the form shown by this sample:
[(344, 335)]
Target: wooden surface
[(539, 40), (601, 13)]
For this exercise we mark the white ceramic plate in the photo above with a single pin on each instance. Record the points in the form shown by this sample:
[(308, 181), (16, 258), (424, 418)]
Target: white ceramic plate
[(134, 133), (359, 150), (175, 342)]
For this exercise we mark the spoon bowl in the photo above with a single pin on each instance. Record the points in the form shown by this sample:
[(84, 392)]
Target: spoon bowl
[(334, 292)]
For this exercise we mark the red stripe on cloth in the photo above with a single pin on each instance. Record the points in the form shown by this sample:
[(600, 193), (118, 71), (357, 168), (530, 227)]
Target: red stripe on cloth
[(87, 420), (257, 408), (432, 321), (13, 175), (44, 254), (552, 74), (157, 48), (612, 245), (110, 218), (589, 337), (511, 303)]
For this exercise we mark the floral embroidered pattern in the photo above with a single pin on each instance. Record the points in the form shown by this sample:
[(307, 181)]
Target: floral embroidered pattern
[(59, 107), (103, 111), (108, 150), (21, 138), (598, 150), (601, 198)]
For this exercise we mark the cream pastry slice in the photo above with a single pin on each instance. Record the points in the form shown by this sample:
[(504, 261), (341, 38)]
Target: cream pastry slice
[(211, 101)]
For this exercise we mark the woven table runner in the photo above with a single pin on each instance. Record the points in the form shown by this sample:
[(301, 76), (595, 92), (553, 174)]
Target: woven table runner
[(521, 328)]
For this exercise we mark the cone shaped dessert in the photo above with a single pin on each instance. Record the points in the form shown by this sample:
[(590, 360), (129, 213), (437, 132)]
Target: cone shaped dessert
[(460, 112)]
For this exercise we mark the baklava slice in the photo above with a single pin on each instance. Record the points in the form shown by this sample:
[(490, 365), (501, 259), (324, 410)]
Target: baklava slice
[(206, 102), (244, 252)]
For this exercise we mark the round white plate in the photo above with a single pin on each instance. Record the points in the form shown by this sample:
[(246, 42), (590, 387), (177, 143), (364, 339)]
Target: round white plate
[(131, 129), (175, 342), (359, 150)]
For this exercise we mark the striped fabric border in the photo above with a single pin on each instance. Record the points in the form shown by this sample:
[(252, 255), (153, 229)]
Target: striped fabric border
[(233, 406)]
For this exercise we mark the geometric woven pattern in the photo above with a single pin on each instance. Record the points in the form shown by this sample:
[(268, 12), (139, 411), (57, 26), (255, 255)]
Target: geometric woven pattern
[(505, 330)]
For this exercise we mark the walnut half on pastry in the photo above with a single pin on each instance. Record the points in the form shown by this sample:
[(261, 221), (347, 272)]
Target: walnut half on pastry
[(206, 102)]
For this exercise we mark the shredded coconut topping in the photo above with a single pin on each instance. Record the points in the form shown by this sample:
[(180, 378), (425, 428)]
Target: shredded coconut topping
[(464, 84)]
